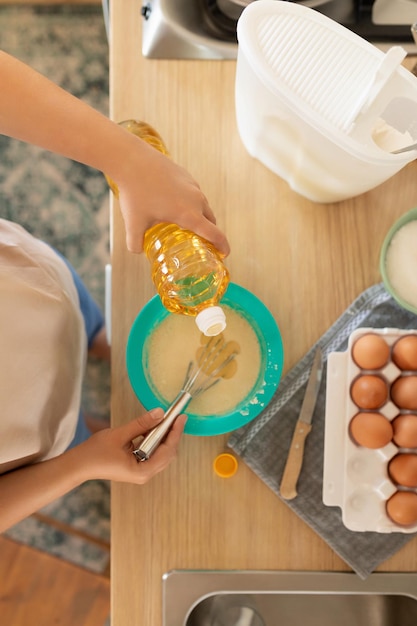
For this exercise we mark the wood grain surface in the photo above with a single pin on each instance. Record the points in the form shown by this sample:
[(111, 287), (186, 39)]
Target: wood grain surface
[(307, 262), (37, 588)]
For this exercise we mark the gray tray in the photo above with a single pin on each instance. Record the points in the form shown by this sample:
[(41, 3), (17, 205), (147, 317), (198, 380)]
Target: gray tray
[(263, 444)]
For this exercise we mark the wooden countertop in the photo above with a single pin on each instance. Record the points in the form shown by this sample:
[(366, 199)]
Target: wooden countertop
[(307, 262)]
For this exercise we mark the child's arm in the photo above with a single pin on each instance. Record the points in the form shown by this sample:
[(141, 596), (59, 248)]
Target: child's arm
[(105, 455), (152, 187)]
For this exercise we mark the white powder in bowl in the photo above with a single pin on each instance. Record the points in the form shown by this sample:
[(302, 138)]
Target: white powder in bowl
[(401, 263)]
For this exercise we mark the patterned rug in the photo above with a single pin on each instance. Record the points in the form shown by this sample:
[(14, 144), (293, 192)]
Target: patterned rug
[(67, 205)]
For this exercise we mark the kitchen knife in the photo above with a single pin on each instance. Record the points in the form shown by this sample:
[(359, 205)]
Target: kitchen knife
[(288, 487)]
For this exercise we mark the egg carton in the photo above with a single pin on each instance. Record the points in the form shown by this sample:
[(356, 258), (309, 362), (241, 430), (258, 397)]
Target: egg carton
[(356, 478)]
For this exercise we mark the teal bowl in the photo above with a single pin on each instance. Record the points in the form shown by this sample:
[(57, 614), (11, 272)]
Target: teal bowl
[(272, 359), (404, 219)]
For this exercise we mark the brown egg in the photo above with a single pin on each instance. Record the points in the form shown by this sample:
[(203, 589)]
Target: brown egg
[(402, 508), (404, 352), (369, 391), (402, 469), (371, 430), (405, 431), (404, 392), (370, 352)]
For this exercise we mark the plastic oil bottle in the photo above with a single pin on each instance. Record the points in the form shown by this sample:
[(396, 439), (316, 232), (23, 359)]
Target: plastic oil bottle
[(187, 270)]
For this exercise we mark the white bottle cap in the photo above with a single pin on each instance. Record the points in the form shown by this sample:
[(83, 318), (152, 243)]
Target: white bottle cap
[(211, 321)]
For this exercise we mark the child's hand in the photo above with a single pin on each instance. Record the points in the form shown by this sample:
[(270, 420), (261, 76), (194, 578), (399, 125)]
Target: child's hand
[(109, 453), (154, 189)]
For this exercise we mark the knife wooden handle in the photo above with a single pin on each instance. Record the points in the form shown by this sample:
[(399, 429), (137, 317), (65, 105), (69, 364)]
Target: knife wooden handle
[(288, 487)]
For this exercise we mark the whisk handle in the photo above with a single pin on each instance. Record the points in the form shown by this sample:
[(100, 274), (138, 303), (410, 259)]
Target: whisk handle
[(155, 436)]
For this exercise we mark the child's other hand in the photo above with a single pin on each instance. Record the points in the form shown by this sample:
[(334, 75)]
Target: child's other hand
[(109, 452)]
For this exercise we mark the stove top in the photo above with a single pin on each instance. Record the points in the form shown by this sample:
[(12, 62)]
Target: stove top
[(198, 29), (374, 20)]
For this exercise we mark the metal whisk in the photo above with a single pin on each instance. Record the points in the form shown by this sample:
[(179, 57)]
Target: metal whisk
[(202, 374)]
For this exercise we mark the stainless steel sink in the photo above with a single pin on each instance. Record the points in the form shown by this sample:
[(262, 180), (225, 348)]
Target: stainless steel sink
[(270, 598)]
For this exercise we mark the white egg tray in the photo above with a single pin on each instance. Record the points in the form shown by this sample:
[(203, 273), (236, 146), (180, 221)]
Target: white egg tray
[(356, 478)]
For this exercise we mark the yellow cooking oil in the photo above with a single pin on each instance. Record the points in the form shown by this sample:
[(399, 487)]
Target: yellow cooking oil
[(187, 270)]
